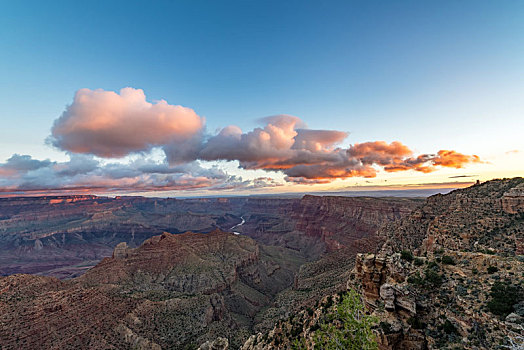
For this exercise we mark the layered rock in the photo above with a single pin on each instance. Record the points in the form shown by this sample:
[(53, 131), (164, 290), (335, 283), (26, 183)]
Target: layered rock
[(513, 200), (172, 291), (466, 242), (449, 275)]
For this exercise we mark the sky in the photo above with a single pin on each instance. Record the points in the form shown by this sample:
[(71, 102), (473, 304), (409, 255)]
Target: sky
[(245, 97)]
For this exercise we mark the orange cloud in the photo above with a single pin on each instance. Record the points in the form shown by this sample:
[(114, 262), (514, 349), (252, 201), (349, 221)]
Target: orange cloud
[(453, 159)]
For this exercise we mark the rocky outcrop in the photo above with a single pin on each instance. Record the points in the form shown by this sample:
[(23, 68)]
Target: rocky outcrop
[(120, 251), (432, 283), (339, 221), (513, 200), (217, 344), (381, 280)]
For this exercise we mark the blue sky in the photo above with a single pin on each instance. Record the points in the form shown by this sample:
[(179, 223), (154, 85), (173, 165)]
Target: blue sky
[(431, 74)]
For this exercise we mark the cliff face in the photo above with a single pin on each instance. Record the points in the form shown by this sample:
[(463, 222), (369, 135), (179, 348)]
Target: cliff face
[(459, 263), (339, 221), (449, 275), (513, 200), (171, 292), (64, 236)]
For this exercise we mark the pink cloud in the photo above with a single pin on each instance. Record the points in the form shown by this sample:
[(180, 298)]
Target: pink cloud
[(108, 124)]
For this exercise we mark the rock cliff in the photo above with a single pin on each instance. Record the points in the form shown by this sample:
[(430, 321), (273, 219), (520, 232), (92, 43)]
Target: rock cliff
[(448, 276)]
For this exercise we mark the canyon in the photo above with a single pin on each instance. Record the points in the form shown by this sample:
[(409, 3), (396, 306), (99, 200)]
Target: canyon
[(259, 273), (63, 236)]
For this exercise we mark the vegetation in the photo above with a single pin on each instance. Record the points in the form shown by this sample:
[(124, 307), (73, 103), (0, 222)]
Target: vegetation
[(503, 296), (448, 260), (347, 327), (419, 262), (406, 255), (344, 326), (492, 269)]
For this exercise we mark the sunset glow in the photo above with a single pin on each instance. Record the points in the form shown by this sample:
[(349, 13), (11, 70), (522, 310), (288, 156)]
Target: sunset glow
[(186, 115)]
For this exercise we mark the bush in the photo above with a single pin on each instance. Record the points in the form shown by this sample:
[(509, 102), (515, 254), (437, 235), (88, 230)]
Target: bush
[(419, 261), (352, 329), (416, 279), (503, 296), (416, 323), (386, 327), (492, 269), (448, 260), (433, 278), (433, 265), (406, 255), (449, 327)]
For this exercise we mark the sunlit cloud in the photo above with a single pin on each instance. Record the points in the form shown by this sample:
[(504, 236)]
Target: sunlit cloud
[(110, 124), (99, 126)]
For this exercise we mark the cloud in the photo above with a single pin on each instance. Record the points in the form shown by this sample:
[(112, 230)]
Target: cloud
[(112, 125), (20, 163), (23, 174), (308, 156), (461, 176)]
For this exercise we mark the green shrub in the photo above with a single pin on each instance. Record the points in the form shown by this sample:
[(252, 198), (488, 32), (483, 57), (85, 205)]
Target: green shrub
[(406, 255), (416, 323), (416, 279), (433, 265), (492, 269), (386, 327), (352, 329), (503, 296), (419, 261), (433, 278), (449, 327), (448, 260)]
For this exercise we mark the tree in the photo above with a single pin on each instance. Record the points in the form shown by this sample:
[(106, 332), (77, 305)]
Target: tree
[(347, 327)]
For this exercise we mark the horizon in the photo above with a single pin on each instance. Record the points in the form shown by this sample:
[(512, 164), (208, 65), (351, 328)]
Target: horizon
[(244, 98)]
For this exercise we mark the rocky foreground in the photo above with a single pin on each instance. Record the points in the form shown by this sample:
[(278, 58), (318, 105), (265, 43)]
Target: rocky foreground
[(449, 276)]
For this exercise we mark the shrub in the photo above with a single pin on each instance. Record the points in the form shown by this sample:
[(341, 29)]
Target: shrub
[(503, 296), (352, 329), (449, 327), (416, 323), (433, 265), (419, 261), (448, 260), (386, 327), (415, 279), (492, 269), (406, 255), (433, 278)]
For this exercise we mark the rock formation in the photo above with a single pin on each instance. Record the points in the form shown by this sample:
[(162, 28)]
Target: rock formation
[(448, 276)]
